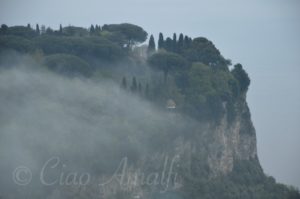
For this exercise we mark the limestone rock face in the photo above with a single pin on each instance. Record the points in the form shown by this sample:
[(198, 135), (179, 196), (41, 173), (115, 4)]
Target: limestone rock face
[(220, 144), (235, 140)]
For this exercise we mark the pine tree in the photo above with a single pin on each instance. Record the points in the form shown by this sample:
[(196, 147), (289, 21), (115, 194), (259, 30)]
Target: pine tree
[(124, 83), (160, 41), (37, 29), (151, 46), (134, 85)]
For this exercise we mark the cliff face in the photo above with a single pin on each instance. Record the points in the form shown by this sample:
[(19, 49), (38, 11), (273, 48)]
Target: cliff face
[(207, 150), (234, 140)]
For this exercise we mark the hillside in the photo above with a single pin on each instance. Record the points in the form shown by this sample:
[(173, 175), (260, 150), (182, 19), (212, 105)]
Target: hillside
[(165, 120)]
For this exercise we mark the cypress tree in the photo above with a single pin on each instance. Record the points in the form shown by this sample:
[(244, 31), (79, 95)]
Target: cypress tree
[(180, 43), (186, 42), (60, 29), (174, 42), (124, 83), (151, 46), (160, 41), (37, 29), (134, 85)]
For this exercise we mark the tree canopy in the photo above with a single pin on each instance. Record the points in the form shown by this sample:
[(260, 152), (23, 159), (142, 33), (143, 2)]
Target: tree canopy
[(67, 64), (133, 34), (167, 62)]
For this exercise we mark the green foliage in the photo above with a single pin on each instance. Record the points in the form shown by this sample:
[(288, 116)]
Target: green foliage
[(167, 62), (133, 34), (60, 29), (19, 44), (175, 43), (37, 29), (21, 31), (206, 90), (4, 29), (67, 64), (74, 31), (160, 41), (168, 44), (151, 45), (203, 50), (242, 77), (180, 43), (80, 46)]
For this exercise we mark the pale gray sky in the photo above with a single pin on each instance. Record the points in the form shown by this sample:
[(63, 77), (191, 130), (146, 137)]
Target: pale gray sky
[(262, 35)]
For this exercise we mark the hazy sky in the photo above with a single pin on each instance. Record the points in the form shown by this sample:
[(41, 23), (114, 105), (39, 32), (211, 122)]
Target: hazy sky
[(262, 35)]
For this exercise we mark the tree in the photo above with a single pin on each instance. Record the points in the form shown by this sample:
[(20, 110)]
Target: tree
[(60, 29), (124, 83), (160, 41), (133, 33), (151, 46), (187, 42), (241, 75), (68, 65), (134, 85), (37, 29), (92, 29), (4, 29), (168, 44), (16, 43), (49, 31), (97, 29), (22, 31), (180, 43), (28, 26), (75, 31), (174, 43), (166, 62), (202, 50)]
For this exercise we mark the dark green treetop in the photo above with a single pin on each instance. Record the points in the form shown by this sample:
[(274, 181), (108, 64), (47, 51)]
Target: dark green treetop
[(151, 45), (167, 62)]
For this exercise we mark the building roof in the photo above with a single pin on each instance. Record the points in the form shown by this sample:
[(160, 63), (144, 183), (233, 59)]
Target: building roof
[(171, 104)]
